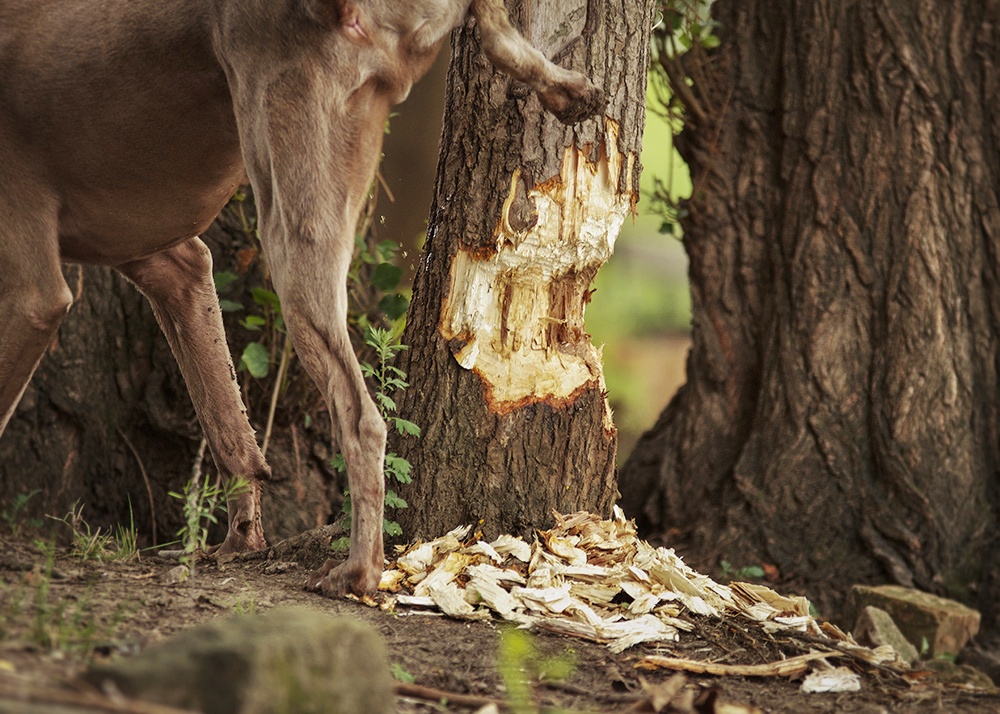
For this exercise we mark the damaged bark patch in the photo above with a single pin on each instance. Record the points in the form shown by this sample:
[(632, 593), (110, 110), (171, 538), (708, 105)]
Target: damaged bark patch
[(516, 317)]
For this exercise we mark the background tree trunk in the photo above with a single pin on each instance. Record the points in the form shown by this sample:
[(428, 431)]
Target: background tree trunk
[(506, 384), (840, 417)]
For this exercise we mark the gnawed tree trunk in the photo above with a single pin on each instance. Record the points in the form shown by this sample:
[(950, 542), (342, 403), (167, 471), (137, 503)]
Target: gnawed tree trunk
[(506, 385), (840, 417)]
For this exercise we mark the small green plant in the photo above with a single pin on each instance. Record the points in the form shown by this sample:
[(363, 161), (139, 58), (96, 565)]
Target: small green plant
[(94, 544), (245, 603), (201, 502), (387, 380), (745, 573), (400, 674), (12, 515), (521, 666), (127, 538), (64, 624)]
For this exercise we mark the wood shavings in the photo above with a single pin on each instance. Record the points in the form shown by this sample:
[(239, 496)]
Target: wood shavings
[(444, 572), (595, 579), (839, 679), (554, 599), (514, 547), (451, 600)]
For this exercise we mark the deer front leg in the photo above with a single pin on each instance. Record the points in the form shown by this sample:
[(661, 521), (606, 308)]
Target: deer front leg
[(311, 278), (310, 150)]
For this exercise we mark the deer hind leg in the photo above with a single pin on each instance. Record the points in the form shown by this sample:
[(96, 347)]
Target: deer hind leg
[(569, 95), (178, 283), (34, 297)]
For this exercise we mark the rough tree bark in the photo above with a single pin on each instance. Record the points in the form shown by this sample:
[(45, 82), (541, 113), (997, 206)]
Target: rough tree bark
[(840, 417), (506, 385)]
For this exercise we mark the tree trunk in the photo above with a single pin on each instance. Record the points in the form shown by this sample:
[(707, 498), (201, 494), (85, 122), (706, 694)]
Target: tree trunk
[(840, 416), (107, 420), (506, 385)]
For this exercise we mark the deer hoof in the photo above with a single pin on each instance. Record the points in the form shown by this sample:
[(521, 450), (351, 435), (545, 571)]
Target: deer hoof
[(347, 578)]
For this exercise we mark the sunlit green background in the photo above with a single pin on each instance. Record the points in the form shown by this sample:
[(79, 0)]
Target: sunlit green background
[(641, 310)]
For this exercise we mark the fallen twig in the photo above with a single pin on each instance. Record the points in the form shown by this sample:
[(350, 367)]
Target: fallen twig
[(430, 694), (782, 668)]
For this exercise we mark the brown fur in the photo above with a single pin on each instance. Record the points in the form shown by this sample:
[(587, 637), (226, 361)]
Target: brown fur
[(126, 125)]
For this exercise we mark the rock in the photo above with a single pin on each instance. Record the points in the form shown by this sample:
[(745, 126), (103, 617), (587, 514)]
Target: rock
[(946, 625), (961, 675), (984, 658), (286, 660), (875, 627)]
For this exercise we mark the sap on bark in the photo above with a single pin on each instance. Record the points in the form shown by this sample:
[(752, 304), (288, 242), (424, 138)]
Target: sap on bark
[(515, 317)]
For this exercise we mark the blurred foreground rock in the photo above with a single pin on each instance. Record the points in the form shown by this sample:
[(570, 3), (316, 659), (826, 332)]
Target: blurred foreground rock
[(287, 660)]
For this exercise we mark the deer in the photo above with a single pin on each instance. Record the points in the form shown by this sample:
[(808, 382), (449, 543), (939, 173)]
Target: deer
[(127, 125)]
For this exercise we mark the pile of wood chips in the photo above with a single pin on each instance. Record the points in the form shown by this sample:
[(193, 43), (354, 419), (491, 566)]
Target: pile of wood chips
[(595, 579)]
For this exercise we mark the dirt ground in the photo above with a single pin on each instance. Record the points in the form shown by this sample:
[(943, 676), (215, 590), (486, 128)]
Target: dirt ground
[(59, 612)]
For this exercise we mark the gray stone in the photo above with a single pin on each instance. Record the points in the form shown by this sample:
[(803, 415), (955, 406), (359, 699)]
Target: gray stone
[(292, 660), (875, 627), (945, 625)]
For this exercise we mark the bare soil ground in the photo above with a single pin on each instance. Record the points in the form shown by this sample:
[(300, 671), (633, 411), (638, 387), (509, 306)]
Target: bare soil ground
[(59, 612)]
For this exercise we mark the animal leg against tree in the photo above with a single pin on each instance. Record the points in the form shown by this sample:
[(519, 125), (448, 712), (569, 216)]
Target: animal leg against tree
[(178, 283), (567, 94), (317, 322), (34, 297), (310, 187)]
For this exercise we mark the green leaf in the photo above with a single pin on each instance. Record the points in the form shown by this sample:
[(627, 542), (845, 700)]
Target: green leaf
[(392, 384), (393, 500), (224, 280), (341, 544), (266, 298), (386, 276), (338, 462), (255, 360), (386, 403), (391, 528), (405, 427), (751, 571), (345, 505), (394, 306), (400, 674), (253, 322), (387, 249), (710, 42), (230, 306), (399, 467)]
